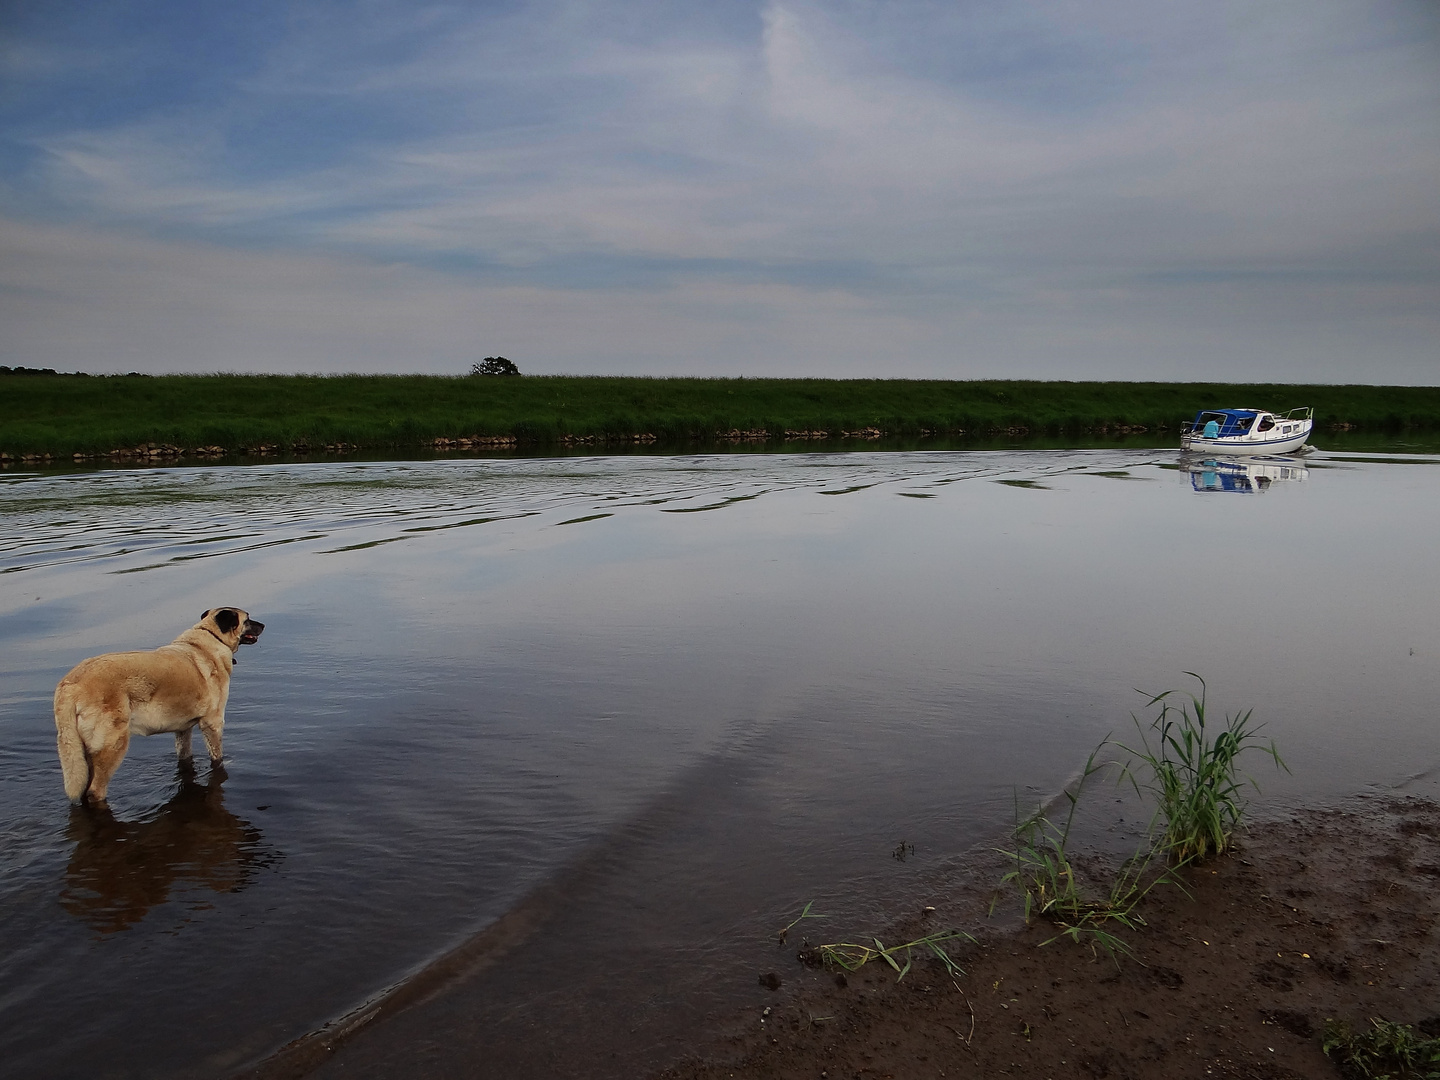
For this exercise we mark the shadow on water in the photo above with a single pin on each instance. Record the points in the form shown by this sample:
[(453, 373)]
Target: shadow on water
[(120, 870)]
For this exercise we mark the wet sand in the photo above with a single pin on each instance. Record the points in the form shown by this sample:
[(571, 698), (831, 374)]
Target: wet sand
[(1330, 916), (1333, 914)]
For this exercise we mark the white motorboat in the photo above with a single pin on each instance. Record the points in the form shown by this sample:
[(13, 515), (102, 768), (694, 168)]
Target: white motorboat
[(1247, 431)]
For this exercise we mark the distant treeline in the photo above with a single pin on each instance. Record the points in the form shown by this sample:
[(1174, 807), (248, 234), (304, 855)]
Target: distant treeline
[(45, 413)]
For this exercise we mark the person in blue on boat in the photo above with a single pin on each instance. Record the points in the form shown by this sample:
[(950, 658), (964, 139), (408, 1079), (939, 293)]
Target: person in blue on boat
[(1212, 429)]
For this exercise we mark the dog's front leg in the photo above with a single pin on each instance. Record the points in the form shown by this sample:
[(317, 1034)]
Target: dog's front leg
[(182, 744), (211, 728)]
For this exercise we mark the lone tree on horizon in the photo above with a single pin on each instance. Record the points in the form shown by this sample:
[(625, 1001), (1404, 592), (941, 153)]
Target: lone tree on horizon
[(494, 365)]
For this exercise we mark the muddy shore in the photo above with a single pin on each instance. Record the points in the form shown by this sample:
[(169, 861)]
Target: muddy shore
[(1330, 916), (1334, 914)]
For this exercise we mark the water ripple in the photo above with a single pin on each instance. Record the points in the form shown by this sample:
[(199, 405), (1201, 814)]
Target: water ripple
[(145, 520)]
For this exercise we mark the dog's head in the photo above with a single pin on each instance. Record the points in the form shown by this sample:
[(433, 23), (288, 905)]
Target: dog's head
[(232, 626)]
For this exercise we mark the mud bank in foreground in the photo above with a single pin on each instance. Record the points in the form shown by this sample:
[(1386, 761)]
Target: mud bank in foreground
[(1332, 915)]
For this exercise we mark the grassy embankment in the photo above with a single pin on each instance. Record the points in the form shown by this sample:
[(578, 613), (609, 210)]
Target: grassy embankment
[(62, 415)]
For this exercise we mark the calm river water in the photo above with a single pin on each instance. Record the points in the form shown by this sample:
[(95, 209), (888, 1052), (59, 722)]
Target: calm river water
[(676, 697)]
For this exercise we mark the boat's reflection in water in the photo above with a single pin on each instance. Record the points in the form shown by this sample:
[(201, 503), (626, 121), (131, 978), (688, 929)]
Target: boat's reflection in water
[(1241, 474), (120, 870)]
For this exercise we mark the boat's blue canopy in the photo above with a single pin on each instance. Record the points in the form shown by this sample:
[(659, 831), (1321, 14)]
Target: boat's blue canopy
[(1231, 421)]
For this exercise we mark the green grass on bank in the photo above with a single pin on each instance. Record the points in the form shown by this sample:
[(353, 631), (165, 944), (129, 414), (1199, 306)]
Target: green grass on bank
[(65, 414)]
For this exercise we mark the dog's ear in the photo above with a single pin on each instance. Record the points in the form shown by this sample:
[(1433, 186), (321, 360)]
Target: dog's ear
[(226, 619)]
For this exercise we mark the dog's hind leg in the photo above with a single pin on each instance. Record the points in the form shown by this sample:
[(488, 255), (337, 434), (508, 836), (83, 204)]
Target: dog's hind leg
[(105, 759), (182, 744), (74, 762)]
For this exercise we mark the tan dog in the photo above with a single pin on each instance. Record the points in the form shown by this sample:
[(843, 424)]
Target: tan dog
[(106, 699)]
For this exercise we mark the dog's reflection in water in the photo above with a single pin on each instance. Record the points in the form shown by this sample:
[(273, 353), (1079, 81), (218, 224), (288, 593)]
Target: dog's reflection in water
[(119, 870)]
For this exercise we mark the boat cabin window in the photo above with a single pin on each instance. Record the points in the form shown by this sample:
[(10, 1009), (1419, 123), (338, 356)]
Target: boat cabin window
[(1266, 423)]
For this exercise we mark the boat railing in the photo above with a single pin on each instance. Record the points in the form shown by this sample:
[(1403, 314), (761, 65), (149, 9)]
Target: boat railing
[(1190, 427)]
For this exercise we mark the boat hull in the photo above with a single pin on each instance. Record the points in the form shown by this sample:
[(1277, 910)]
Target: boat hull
[(1245, 444)]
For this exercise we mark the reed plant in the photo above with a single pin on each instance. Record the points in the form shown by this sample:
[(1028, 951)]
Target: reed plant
[(1384, 1051), (1042, 868), (805, 913), (1044, 872), (1192, 770), (852, 957), (1188, 767)]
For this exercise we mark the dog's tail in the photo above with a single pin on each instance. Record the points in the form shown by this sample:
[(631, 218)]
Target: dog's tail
[(74, 765)]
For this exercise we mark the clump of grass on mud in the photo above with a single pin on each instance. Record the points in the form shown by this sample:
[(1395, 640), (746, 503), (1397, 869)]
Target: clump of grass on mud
[(1044, 872), (1190, 772), (852, 957), (1386, 1051), (1194, 775)]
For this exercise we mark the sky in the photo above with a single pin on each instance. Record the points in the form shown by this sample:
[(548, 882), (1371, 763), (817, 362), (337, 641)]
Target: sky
[(1051, 189)]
